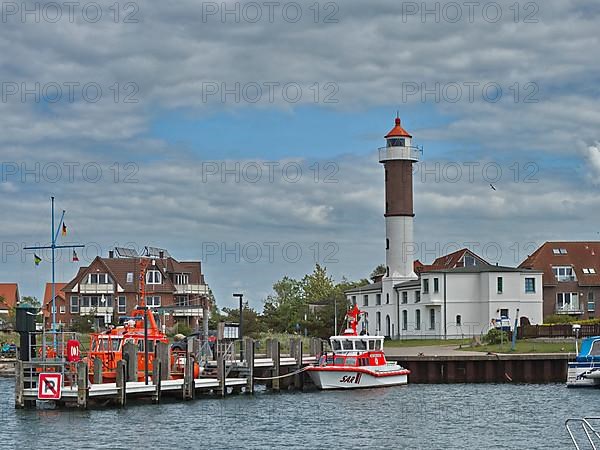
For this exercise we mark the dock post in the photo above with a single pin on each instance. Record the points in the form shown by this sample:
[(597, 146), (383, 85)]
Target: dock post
[(121, 382), (19, 385), (130, 355), (188, 373), (82, 384), (276, 357), (221, 370), (298, 354), (268, 344), (156, 380), (97, 371), (162, 355), (249, 355)]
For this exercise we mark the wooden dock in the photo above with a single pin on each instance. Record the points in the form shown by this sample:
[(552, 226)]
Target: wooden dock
[(220, 376)]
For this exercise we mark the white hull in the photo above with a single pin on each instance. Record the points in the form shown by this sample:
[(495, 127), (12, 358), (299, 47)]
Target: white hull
[(583, 375), (349, 379)]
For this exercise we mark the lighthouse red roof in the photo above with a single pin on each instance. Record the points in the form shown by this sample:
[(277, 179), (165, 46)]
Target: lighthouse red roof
[(398, 131)]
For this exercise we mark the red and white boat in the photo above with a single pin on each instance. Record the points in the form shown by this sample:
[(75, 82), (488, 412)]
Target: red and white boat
[(357, 361)]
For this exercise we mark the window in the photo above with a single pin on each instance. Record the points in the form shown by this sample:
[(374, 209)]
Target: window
[(153, 277), (425, 286), (378, 322), (387, 271), (564, 273), (500, 282), (458, 320), (121, 305), (432, 319), (184, 300), (378, 299), (559, 251), (589, 271), (387, 299), (63, 309), (469, 261), (98, 278), (130, 277), (504, 313), (74, 304), (417, 296), (417, 319), (153, 301), (591, 303), (182, 278), (567, 302), (436, 285), (365, 300), (530, 285), (387, 243), (404, 297), (404, 319)]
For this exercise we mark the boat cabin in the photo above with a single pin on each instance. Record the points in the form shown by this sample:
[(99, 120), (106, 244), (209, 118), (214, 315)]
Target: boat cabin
[(356, 344), (590, 350)]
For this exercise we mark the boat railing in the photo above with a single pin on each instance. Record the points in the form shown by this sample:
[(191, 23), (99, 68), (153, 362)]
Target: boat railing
[(591, 433)]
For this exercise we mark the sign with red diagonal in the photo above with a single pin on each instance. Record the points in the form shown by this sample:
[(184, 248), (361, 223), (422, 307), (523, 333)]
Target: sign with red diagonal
[(49, 386)]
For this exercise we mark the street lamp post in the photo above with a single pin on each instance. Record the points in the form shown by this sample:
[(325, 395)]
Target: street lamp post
[(241, 327)]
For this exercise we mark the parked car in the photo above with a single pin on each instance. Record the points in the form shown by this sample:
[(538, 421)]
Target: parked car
[(182, 344)]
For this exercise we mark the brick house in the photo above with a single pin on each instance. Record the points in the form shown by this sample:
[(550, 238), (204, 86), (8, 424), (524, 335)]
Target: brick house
[(63, 313), (9, 293), (108, 289), (571, 277)]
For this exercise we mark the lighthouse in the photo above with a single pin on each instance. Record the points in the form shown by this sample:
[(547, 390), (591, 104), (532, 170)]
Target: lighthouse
[(398, 157)]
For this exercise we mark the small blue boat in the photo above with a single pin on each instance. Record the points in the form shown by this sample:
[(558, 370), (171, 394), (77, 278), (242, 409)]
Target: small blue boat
[(585, 370)]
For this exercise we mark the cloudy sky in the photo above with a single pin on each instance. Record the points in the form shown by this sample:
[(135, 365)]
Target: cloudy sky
[(245, 134)]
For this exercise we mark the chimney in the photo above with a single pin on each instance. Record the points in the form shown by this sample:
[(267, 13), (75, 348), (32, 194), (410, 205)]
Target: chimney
[(111, 254), (161, 254)]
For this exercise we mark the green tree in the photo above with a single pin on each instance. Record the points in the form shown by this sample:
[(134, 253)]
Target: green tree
[(378, 271)]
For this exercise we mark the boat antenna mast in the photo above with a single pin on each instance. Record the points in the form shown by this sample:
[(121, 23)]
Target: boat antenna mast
[(353, 316)]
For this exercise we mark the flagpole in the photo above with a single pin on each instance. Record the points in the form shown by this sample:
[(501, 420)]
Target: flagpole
[(53, 294)]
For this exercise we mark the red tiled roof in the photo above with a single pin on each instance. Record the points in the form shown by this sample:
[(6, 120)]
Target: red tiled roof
[(10, 293), (57, 291), (579, 255), (452, 260), (398, 131)]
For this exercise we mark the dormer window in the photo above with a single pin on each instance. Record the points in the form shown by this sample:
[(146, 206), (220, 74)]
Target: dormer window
[(564, 273), (469, 261), (181, 278), (153, 277)]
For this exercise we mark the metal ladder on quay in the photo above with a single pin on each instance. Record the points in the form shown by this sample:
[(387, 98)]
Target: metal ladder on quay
[(591, 432)]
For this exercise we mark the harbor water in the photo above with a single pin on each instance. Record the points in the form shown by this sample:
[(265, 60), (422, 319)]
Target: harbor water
[(458, 416)]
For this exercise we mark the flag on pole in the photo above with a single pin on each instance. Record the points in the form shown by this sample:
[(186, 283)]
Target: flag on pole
[(64, 229), (75, 257), (36, 259)]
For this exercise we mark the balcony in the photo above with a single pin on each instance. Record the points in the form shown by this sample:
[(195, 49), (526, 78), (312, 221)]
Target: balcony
[(96, 289), (191, 289), (402, 153), (186, 311), (569, 309), (565, 278), (96, 310)]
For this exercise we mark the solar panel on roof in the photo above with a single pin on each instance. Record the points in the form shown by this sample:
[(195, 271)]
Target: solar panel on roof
[(124, 252), (155, 252)]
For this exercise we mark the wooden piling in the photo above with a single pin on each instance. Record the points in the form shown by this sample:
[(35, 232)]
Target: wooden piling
[(121, 382), (249, 356), (276, 357), (82, 384), (298, 354), (97, 371), (188, 373), (156, 380), (268, 345), (130, 355), (162, 355), (19, 385)]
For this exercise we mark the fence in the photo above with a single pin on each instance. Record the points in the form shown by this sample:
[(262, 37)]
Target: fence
[(558, 330)]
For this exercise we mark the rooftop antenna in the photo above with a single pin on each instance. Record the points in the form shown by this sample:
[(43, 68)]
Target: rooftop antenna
[(53, 247)]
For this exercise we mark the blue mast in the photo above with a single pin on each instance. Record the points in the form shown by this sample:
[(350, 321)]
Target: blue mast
[(53, 247)]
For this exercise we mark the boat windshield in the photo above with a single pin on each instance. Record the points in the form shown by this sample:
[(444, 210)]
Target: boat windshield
[(104, 344), (361, 345), (371, 345), (336, 345), (377, 345), (339, 360), (347, 344)]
